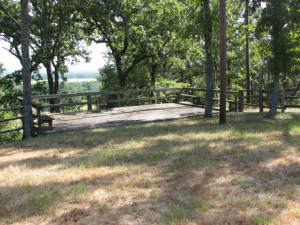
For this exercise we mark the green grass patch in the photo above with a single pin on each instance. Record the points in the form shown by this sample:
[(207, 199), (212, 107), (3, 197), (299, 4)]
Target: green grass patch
[(262, 220)]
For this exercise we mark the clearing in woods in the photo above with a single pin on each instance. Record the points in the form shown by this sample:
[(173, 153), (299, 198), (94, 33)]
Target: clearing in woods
[(183, 172)]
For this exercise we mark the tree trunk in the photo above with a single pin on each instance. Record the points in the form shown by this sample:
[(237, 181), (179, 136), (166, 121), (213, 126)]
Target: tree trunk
[(55, 90), (248, 84), (49, 77), (121, 75), (153, 74), (122, 80), (279, 49), (275, 94), (222, 117), (209, 64), (52, 87), (27, 101)]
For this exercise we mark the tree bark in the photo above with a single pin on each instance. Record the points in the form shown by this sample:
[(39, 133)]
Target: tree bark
[(26, 70), (222, 118), (121, 76), (209, 64), (53, 86), (153, 74), (275, 94), (248, 84)]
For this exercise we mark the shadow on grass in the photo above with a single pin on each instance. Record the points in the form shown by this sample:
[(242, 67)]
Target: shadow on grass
[(178, 198), (30, 200)]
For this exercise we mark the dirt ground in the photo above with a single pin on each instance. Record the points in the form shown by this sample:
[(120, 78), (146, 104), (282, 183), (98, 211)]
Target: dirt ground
[(123, 116)]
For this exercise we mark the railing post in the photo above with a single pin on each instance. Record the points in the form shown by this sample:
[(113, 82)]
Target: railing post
[(241, 101), (152, 95), (180, 98), (283, 101), (132, 96), (23, 124), (118, 98), (89, 102), (261, 100), (157, 97), (236, 109), (39, 120)]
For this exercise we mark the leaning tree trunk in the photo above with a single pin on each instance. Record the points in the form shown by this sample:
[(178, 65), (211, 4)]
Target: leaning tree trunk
[(209, 64), (27, 101)]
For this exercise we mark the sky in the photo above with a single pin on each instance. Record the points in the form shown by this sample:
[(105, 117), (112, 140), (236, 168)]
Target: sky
[(11, 63)]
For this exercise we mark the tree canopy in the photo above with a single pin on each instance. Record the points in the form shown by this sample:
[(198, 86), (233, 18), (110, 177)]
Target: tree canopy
[(162, 43)]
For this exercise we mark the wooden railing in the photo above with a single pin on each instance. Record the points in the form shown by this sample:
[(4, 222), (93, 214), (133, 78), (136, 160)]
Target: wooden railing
[(16, 117), (236, 100), (262, 99), (200, 93), (115, 98), (131, 97)]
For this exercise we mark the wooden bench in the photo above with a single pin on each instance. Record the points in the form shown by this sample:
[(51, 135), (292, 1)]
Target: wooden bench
[(43, 119), (103, 101)]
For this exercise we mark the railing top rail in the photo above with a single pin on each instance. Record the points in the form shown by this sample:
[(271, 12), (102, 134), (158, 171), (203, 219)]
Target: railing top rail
[(139, 91), (292, 89), (104, 93), (11, 108)]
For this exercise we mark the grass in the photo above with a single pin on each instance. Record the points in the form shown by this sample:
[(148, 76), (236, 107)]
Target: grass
[(183, 172)]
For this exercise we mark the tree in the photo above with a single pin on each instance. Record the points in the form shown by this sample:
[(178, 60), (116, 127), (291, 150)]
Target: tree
[(248, 86), (60, 37), (56, 37), (222, 118), (27, 102), (274, 22), (134, 31), (209, 65)]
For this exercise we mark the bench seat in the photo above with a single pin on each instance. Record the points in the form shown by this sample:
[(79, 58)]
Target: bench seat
[(43, 119)]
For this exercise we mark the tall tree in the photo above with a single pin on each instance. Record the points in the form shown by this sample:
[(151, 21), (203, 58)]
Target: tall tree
[(222, 117), (209, 64), (56, 36), (27, 101), (134, 31), (274, 22), (248, 86)]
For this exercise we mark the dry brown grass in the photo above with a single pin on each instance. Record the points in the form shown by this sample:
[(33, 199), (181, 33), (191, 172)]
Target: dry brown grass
[(181, 172)]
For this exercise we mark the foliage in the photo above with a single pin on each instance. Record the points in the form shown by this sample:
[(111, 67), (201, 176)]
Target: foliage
[(277, 22), (108, 78), (55, 36), (79, 87), (8, 94), (160, 43), (166, 83), (8, 98), (133, 30)]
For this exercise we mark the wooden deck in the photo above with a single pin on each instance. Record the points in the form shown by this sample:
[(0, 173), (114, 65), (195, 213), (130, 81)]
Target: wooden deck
[(123, 116)]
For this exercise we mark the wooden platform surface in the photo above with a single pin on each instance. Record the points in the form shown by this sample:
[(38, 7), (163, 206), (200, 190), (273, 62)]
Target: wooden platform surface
[(123, 116)]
